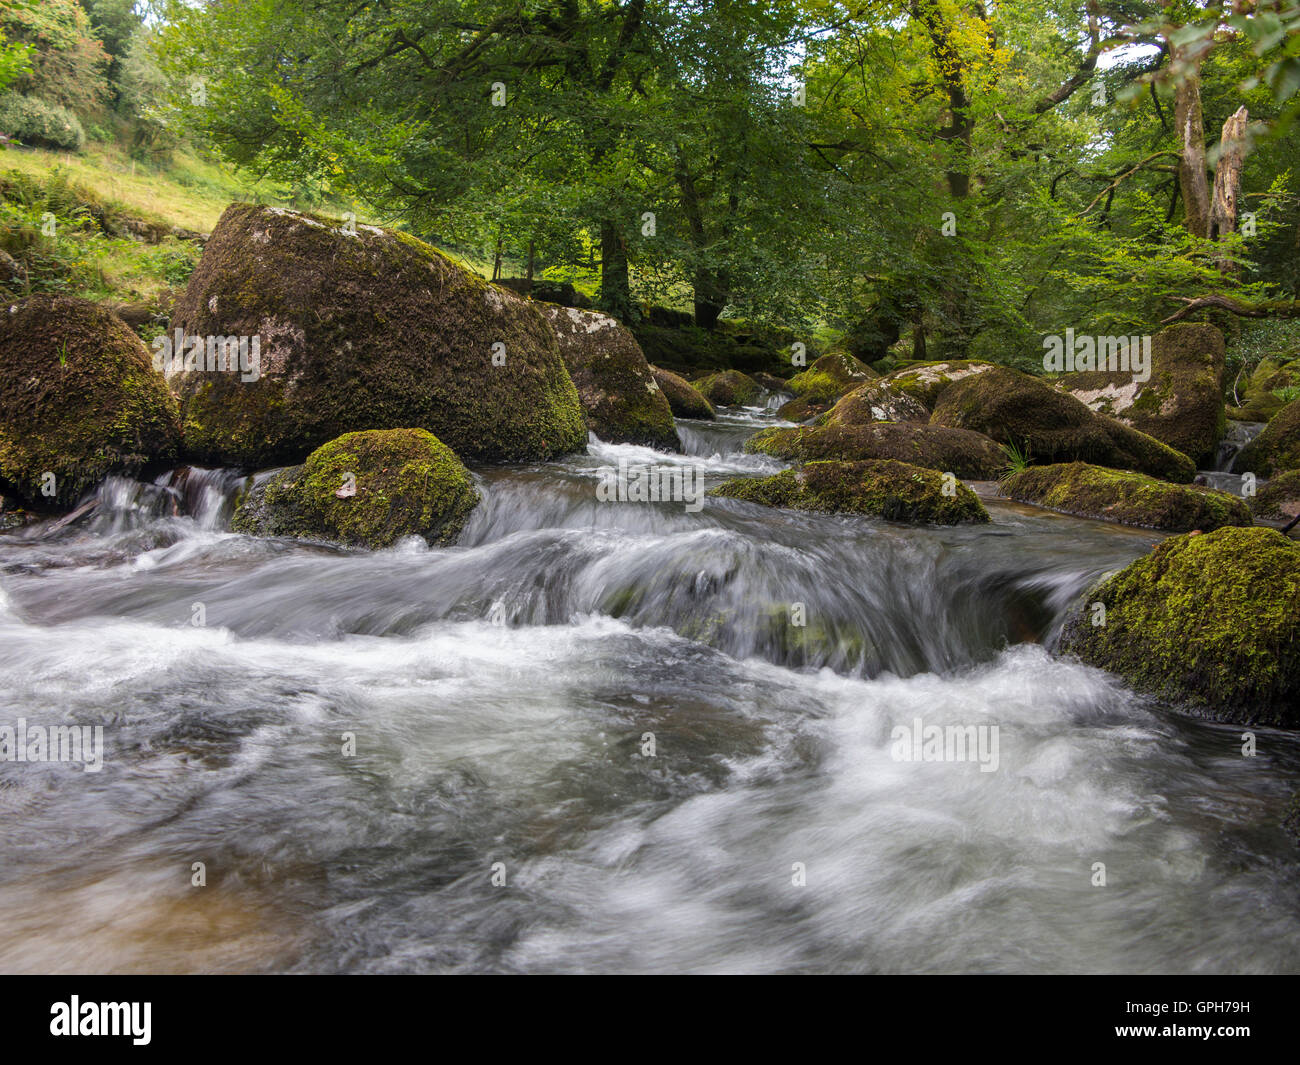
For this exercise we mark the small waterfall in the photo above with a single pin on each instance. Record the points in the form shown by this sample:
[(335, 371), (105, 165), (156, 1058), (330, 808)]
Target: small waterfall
[(1239, 434)]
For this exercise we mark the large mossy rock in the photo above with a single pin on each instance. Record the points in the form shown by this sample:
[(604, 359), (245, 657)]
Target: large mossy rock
[(1125, 497), (830, 377), (621, 400), (896, 491), (1276, 449), (926, 381), (79, 398), (371, 330), (1025, 412), (683, 400), (958, 451), (1211, 622), (1265, 392), (1181, 403), (730, 388), (365, 489), (879, 401)]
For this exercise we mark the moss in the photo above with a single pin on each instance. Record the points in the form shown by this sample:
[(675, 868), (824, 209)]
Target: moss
[(406, 483), (1277, 448), (729, 389), (79, 398), (879, 401), (1181, 404), (1278, 499), (1211, 621), (1263, 394), (896, 491), (1015, 408), (375, 330), (621, 400), (926, 381), (830, 377), (683, 400), (1125, 497), (968, 455)]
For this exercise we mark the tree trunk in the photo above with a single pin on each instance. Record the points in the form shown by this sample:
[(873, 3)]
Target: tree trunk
[(532, 252), (1190, 128), (615, 288), (1227, 181)]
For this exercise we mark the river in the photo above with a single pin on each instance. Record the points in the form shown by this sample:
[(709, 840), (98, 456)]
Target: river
[(591, 738)]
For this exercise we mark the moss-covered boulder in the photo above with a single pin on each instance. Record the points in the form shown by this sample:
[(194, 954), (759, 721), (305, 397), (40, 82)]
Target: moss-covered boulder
[(79, 398), (730, 388), (1278, 499), (1125, 497), (1023, 411), (1276, 449), (896, 491), (880, 401), (830, 377), (365, 489), (1211, 622), (926, 381), (966, 454), (1272, 384), (621, 400), (683, 400), (370, 329), (1181, 403)]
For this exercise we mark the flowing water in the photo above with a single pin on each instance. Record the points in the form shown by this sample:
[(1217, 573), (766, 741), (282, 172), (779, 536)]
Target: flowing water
[(609, 707)]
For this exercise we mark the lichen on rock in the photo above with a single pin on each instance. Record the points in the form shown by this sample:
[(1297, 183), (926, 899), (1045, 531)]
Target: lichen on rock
[(830, 377), (1181, 402), (621, 399)]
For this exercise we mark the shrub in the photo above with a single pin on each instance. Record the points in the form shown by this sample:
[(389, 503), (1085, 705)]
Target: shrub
[(40, 124)]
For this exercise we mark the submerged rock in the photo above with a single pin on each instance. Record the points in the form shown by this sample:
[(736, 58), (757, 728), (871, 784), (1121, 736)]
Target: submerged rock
[(730, 388), (1125, 497), (1276, 449), (1211, 622), (1180, 404), (967, 454), (896, 491), (365, 489), (830, 377), (370, 329), (683, 400), (79, 399), (1025, 412), (621, 400)]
